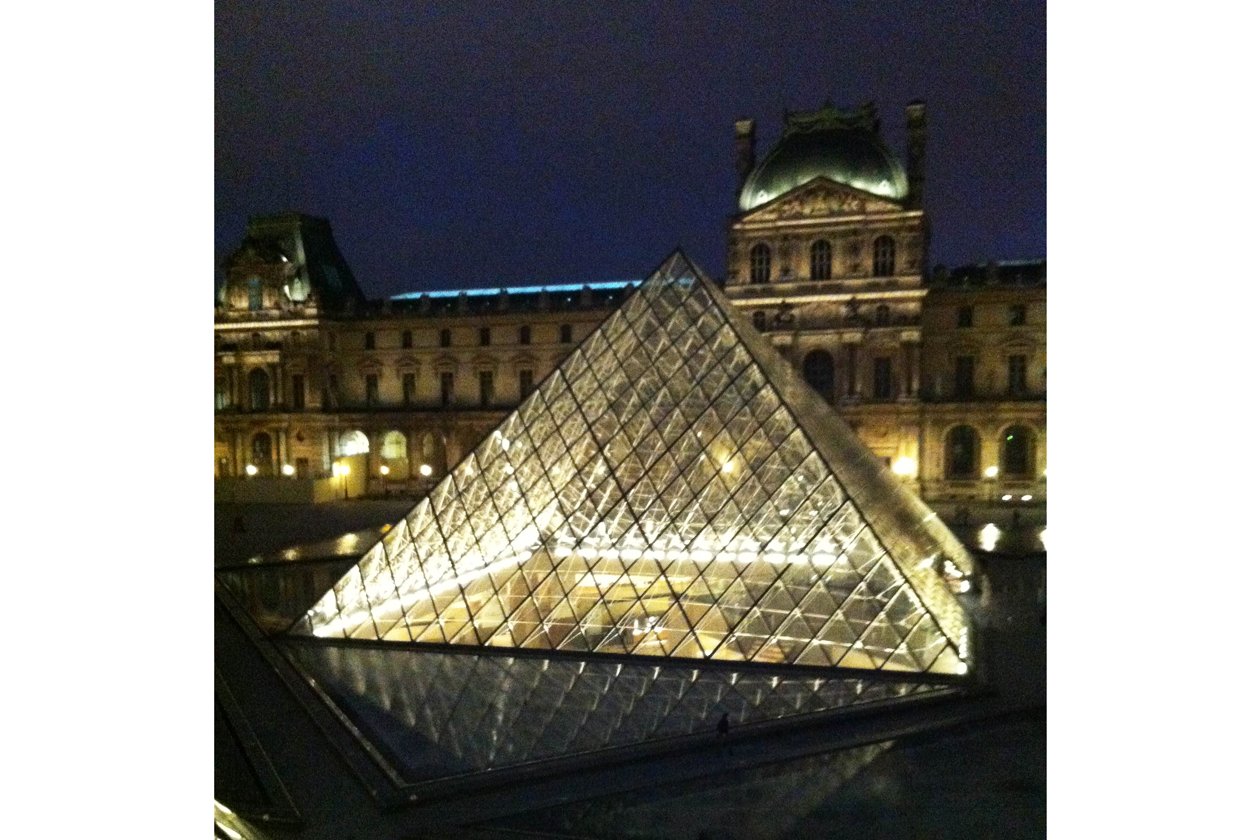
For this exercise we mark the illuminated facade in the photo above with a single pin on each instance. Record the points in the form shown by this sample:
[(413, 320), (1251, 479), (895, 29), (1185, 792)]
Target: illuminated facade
[(941, 373)]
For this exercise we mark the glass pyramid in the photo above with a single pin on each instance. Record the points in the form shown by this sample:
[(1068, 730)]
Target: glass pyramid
[(672, 489)]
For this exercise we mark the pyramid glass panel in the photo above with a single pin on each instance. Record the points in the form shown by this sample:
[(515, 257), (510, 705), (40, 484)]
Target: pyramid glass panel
[(672, 489)]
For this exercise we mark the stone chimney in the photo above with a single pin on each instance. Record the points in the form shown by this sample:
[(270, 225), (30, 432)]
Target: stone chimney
[(916, 151)]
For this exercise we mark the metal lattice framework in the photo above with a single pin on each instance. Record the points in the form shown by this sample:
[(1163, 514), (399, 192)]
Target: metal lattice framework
[(672, 489)]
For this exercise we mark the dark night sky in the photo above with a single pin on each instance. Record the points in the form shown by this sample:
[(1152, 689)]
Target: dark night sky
[(493, 144)]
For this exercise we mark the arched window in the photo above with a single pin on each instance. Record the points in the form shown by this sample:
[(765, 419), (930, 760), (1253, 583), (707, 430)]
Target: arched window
[(885, 256), (820, 260), (394, 455), (882, 315), (260, 452), (259, 390), (759, 320), (962, 453), (820, 372), (1018, 452), (254, 287), (352, 442), (759, 263)]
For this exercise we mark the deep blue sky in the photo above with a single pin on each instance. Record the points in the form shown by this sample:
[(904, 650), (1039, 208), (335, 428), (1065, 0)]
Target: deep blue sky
[(485, 144)]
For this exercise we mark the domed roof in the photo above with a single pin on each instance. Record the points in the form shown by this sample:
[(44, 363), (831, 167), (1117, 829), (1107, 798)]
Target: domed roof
[(845, 147)]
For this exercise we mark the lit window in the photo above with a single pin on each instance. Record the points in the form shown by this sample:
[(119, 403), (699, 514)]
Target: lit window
[(222, 397), (820, 260), (885, 256), (525, 335), (759, 264)]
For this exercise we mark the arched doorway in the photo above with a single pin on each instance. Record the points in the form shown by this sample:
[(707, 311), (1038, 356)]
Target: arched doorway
[(819, 371), (394, 455)]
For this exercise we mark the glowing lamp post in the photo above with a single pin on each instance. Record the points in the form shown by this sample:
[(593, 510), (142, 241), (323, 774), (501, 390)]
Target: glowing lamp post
[(426, 470), (343, 470), (251, 470), (904, 467), (990, 475)]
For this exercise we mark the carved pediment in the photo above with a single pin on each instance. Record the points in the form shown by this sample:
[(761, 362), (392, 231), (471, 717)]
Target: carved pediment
[(821, 198)]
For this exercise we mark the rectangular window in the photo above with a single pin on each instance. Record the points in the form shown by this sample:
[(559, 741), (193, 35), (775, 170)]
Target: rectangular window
[(299, 392), (883, 378), (525, 335), (221, 400), (369, 341), (448, 388), (964, 376), (406, 339), (371, 385), (485, 336), (1017, 374), (409, 388), (486, 383), (566, 334), (965, 316), (527, 382), (444, 338), (1019, 315)]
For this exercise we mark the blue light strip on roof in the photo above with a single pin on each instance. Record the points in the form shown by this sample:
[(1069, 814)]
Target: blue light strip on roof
[(519, 290)]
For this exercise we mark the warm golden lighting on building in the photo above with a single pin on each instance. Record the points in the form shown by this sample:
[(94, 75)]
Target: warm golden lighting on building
[(991, 471), (384, 470), (905, 466)]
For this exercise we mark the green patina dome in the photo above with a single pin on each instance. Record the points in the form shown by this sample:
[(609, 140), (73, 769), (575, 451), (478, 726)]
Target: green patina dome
[(845, 147)]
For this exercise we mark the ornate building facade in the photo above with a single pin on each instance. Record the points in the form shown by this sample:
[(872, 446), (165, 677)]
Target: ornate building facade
[(322, 392)]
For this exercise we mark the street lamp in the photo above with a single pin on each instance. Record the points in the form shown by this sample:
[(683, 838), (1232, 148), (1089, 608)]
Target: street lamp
[(904, 466), (343, 470), (288, 470), (251, 470)]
